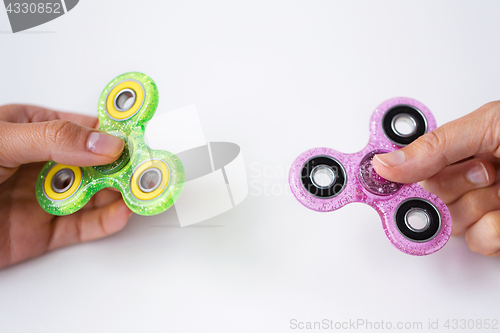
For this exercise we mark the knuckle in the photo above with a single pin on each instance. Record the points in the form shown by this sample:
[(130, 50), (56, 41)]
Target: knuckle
[(487, 118), (439, 184), (491, 105), (62, 132), (487, 244), (478, 246), (472, 207), (101, 223), (432, 143), (492, 225), (471, 243), (78, 229)]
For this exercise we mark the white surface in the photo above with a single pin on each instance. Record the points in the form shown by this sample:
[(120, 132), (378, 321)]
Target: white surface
[(276, 77), (207, 196), (203, 198), (176, 131)]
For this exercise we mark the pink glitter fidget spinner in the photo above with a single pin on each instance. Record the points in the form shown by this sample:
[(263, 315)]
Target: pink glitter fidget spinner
[(415, 221)]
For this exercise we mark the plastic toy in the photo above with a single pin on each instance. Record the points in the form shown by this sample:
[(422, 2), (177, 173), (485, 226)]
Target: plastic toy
[(415, 221), (150, 181)]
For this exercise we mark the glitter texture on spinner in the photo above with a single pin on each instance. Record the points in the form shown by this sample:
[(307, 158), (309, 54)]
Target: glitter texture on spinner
[(414, 220), (125, 107)]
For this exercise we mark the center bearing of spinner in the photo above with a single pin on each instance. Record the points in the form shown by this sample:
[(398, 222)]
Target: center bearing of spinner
[(371, 180), (403, 124), (120, 162), (418, 219), (323, 176)]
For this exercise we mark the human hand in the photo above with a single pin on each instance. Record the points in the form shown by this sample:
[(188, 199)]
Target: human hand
[(30, 134), (460, 163)]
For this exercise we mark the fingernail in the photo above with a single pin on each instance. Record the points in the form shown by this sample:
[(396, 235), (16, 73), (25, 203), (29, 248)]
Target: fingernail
[(478, 175), (392, 159), (104, 144)]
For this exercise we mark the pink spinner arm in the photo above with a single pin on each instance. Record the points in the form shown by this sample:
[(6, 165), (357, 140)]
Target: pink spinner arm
[(324, 180)]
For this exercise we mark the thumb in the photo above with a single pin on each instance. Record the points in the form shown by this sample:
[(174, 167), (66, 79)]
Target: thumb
[(59, 140), (477, 132)]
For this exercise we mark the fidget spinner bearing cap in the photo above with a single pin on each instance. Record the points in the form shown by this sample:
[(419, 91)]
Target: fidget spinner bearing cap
[(415, 221), (150, 181)]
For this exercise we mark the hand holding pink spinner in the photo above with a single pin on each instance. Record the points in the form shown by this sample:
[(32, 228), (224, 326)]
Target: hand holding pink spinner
[(415, 221)]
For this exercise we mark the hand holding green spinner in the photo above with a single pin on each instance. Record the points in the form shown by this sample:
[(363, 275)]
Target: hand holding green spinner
[(150, 180)]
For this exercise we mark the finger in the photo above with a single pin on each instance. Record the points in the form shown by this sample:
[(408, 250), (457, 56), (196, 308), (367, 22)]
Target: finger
[(472, 206), (474, 133), (79, 119), (484, 236), (59, 140), (455, 180), (488, 157), (19, 113), (103, 198), (88, 225)]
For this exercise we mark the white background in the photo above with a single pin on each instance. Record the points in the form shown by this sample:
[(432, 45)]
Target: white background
[(276, 77)]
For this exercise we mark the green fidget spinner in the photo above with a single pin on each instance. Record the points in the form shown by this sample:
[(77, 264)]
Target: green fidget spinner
[(150, 180)]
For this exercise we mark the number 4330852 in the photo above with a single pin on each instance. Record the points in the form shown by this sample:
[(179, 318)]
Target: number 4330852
[(470, 324), (48, 8)]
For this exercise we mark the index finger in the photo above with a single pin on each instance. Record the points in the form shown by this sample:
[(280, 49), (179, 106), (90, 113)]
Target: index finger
[(20, 113)]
